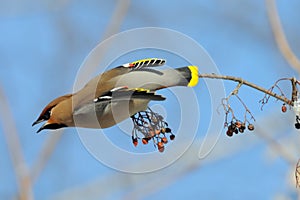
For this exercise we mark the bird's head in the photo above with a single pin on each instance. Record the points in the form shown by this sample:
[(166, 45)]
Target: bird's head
[(52, 121)]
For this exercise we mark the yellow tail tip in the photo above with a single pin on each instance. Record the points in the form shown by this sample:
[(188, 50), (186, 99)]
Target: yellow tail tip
[(194, 76)]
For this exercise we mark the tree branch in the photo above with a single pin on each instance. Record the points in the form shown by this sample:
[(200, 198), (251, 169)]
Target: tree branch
[(254, 86)]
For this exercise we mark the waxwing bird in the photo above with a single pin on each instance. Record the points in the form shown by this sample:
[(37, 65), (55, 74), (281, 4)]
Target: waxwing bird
[(115, 95)]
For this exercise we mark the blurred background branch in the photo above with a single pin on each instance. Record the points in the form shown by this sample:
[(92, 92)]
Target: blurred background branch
[(280, 37), (117, 18), (15, 149), (45, 154)]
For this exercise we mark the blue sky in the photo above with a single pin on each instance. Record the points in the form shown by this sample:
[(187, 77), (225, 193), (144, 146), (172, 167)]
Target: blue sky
[(43, 45)]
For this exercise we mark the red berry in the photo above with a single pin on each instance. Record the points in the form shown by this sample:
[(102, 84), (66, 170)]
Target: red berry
[(250, 127), (231, 127), (135, 142), (238, 124), (145, 140), (164, 140), (229, 132), (243, 126), (161, 149), (172, 137), (160, 146), (283, 108)]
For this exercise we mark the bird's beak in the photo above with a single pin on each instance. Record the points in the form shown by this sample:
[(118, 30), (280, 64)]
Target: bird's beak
[(50, 125), (37, 122), (42, 127)]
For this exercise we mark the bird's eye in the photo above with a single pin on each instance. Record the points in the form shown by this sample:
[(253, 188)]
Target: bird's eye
[(47, 114)]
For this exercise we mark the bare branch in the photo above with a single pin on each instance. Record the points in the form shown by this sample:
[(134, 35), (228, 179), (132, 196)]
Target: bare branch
[(249, 84)]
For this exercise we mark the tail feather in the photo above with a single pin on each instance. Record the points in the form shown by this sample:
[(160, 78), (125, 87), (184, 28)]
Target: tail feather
[(189, 75)]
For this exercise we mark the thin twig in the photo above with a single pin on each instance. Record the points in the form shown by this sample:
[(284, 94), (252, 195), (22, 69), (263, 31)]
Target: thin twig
[(266, 98), (246, 109), (226, 105)]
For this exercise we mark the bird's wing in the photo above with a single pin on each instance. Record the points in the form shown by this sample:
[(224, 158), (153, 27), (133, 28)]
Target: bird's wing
[(116, 96), (124, 93), (108, 80), (138, 65)]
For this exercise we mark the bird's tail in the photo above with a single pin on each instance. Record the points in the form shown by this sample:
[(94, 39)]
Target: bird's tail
[(190, 74), (184, 76)]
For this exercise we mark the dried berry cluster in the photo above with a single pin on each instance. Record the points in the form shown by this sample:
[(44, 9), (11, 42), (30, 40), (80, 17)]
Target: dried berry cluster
[(153, 127), (237, 127)]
